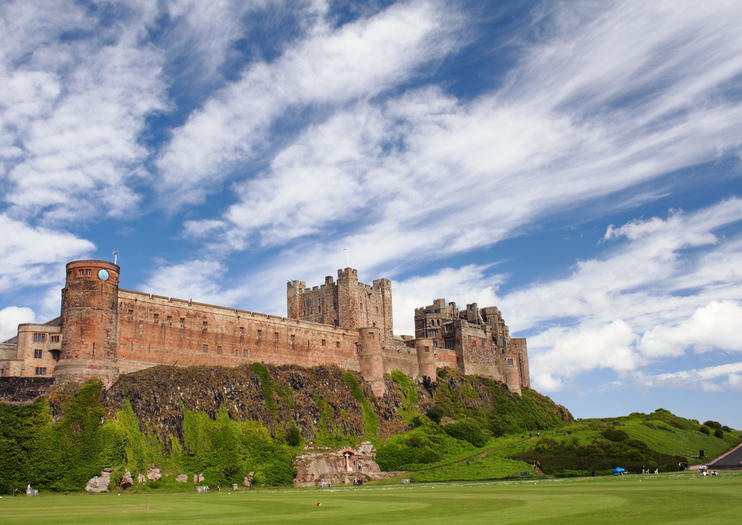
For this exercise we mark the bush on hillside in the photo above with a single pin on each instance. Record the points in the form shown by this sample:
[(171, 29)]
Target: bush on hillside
[(467, 430), (719, 433), (704, 430), (712, 424), (613, 434), (436, 413)]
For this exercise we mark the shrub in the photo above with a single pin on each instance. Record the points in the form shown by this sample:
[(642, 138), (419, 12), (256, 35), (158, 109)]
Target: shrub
[(712, 424), (613, 434), (719, 433), (293, 436), (467, 430), (704, 430), (436, 413)]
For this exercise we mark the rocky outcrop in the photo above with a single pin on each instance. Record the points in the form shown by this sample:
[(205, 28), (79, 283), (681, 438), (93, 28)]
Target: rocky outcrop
[(99, 483), (337, 467), (126, 480), (24, 389), (154, 474), (181, 478)]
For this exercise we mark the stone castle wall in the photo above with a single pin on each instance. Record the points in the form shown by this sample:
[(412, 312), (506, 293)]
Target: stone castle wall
[(105, 331), (162, 330)]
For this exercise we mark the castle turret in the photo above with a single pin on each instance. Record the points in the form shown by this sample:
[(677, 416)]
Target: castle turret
[(425, 358), (294, 290), (347, 303), (89, 322), (371, 358)]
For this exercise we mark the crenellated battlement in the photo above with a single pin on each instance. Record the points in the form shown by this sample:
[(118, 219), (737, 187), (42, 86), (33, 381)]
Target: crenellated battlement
[(104, 331)]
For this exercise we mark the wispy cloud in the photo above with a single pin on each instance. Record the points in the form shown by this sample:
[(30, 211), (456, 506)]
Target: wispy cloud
[(330, 67)]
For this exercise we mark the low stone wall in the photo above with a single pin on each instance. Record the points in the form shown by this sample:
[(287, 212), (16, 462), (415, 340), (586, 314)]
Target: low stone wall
[(24, 389)]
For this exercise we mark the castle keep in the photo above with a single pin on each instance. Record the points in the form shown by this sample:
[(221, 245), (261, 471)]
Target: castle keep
[(104, 331)]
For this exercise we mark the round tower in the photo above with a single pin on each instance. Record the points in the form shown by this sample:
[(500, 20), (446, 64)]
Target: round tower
[(425, 358), (89, 322), (371, 359)]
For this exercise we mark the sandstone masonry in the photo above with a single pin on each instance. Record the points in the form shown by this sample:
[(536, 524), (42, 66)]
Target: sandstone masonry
[(104, 331)]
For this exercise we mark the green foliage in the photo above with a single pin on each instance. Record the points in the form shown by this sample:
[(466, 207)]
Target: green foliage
[(462, 397), (490, 466), (468, 430), (719, 433), (563, 458), (704, 430), (417, 448), (713, 424), (436, 413), (266, 386), (370, 419), (613, 434), (293, 436), (409, 409)]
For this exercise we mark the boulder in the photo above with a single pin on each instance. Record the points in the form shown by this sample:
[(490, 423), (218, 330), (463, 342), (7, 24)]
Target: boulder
[(126, 480), (249, 479), (182, 478), (141, 479), (198, 478), (99, 483), (153, 474)]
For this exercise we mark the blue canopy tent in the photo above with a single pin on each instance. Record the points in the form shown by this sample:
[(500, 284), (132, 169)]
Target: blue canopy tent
[(618, 471)]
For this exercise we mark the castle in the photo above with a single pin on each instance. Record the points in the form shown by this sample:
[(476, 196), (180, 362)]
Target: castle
[(104, 331)]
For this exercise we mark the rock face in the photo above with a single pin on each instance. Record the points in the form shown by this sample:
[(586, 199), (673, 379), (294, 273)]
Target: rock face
[(198, 478), (182, 478), (141, 478), (153, 474), (126, 480), (338, 467), (99, 483)]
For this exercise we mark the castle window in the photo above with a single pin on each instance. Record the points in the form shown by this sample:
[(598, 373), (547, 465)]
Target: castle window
[(55, 354), (242, 331), (182, 322), (219, 350), (245, 352), (324, 342), (156, 318), (130, 315), (205, 348), (2, 371), (38, 353), (293, 340), (427, 349), (337, 344), (259, 334), (40, 371), (39, 338), (370, 335), (204, 326), (510, 362), (55, 339), (170, 320), (275, 336)]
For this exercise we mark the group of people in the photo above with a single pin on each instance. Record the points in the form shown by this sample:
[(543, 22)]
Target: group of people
[(704, 470), (647, 470)]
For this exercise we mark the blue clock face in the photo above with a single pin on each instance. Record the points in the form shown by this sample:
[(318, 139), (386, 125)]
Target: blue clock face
[(103, 275)]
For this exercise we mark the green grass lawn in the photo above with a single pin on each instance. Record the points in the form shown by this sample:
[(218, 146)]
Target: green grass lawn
[(665, 498)]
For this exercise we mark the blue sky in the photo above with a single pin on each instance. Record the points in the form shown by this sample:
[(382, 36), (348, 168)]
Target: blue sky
[(577, 164)]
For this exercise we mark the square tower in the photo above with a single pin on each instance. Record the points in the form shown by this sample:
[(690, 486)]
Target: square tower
[(345, 303)]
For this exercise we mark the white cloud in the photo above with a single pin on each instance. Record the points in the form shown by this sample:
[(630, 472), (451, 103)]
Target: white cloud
[(360, 59), (717, 325), (713, 378), (73, 110), (11, 317), (35, 256), (202, 280)]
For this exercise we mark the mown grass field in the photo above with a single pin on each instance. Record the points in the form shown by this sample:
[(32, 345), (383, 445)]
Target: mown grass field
[(664, 498)]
